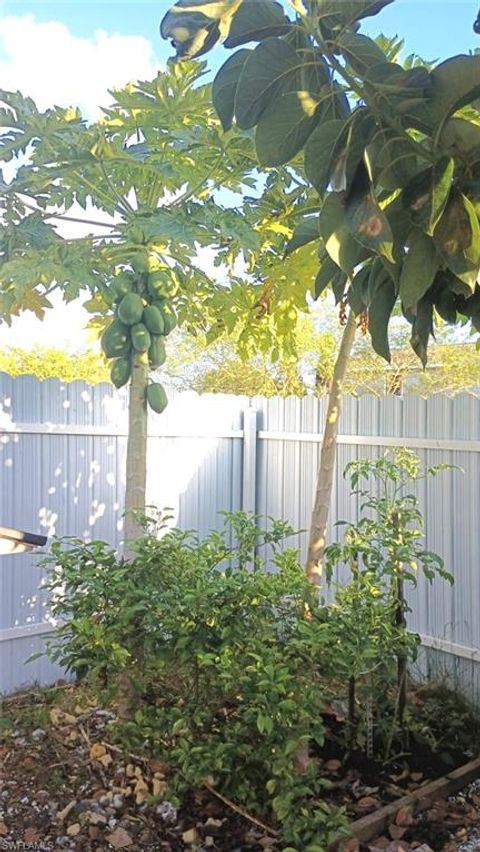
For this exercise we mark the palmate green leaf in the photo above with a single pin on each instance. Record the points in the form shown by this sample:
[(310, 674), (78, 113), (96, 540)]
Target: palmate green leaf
[(320, 151), (284, 127), (305, 232), (224, 87), (195, 26), (365, 220), (267, 69), (382, 298), (419, 268), (256, 20), (426, 196), (457, 238), (339, 243)]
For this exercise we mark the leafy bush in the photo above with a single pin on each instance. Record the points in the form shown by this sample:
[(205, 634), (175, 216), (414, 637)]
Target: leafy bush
[(226, 656)]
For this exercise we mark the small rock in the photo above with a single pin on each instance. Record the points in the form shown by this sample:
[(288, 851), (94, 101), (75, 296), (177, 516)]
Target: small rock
[(333, 765), (119, 838), (191, 836), (38, 735), (31, 835), (209, 840), (158, 786), (141, 791), (3, 829), (97, 751), (62, 815), (106, 760), (396, 832), (351, 845), (93, 832), (130, 770), (366, 803), (118, 802), (74, 829), (404, 816), (167, 813)]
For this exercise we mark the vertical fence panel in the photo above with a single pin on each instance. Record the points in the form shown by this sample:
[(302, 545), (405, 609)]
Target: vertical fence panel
[(62, 463)]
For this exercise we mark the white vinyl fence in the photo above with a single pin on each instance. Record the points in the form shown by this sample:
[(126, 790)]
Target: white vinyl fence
[(62, 453)]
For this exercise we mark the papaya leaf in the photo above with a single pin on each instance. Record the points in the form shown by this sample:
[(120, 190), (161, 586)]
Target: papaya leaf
[(320, 150), (266, 70), (256, 20), (426, 195), (306, 231), (195, 26), (457, 238), (358, 292), (365, 220), (422, 328), (328, 271), (284, 127), (419, 268), (340, 245), (382, 298), (225, 84)]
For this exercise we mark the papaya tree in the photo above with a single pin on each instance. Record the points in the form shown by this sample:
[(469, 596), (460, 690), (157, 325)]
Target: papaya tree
[(143, 182), (392, 151)]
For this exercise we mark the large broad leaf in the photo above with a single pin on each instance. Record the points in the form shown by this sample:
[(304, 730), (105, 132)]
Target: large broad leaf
[(358, 292), (461, 139), (284, 127), (360, 51), (361, 130), (444, 297), (320, 151), (419, 269), (338, 13), (195, 26), (266, 70), (422, 328), (326, 275), (306, 231), (426, 196), (390, 159), (457, 238), (339, 243), (256, 20), (365, 220), (382, 298), (225, 84), (454, 84)]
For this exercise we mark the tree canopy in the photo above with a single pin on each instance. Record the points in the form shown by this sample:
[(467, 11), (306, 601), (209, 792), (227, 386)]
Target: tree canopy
[(392, 149)]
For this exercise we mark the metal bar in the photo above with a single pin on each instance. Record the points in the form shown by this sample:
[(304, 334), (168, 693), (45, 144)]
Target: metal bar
[(40, 629), (249, 484), (377, 441), (109, 431)]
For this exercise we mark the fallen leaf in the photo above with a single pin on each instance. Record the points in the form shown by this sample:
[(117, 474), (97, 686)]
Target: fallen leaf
[(333, 765), (158, 786), (97, 751), (74, 829), (351, 845), (416, 776), (141, 791), (106, 760), (31, 835), (404, 816), (191, 836), (119, 838), (130, 770), (59, 717), (62, 815), (3, 829), (367, 802), (396, 832)]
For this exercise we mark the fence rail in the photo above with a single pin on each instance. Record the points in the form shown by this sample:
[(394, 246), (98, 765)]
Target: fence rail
[(62, 458)]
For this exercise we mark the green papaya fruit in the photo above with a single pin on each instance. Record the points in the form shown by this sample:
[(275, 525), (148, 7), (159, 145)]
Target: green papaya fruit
[(157, 397), (130, 309), (120, 371), (123, 283), (162, 284), (140, 337), (115, 340), (156, 353), (152, 318), (169, 317)]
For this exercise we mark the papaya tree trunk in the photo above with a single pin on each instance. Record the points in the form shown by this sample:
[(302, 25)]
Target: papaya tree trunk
[(136, 478), (135, 498), (323, 491)]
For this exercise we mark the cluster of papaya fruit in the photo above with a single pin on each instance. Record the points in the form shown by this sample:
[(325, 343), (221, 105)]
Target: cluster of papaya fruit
[(143, 317)]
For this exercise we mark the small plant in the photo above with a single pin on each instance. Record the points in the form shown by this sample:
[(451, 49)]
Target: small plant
[(225, 659), (383, 551)]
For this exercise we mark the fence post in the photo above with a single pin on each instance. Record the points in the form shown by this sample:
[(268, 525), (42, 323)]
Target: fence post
[(249, 480)]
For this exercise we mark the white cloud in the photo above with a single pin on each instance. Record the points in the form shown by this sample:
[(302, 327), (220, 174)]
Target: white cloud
[(53, 66)]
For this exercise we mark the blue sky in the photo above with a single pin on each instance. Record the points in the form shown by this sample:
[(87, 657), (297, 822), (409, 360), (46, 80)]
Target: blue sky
[(433, 28)]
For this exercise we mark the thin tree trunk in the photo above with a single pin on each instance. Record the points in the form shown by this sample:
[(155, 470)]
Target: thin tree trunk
[(323, 493), (136, 480), (135, 498)]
